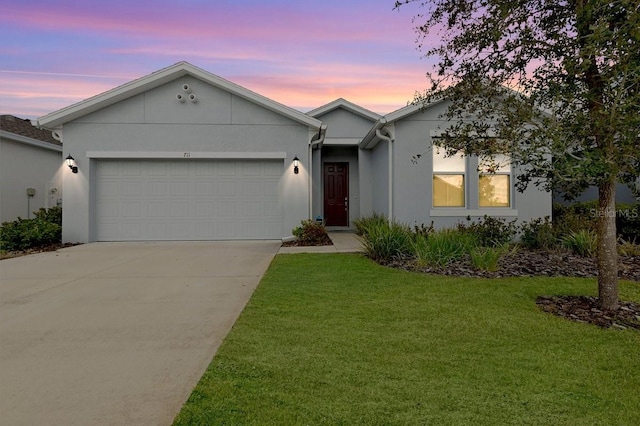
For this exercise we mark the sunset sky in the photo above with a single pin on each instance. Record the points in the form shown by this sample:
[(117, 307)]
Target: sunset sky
[(302, 53)]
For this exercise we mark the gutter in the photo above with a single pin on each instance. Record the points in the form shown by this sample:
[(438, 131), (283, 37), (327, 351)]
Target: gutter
[(315, 142), (369, 141)]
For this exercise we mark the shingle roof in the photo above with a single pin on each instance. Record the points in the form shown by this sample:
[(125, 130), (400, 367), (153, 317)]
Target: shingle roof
[(23, 127)]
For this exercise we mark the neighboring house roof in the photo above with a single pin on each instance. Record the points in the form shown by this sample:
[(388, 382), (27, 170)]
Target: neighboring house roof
[(344, 104), (21, 130), (57, 118)]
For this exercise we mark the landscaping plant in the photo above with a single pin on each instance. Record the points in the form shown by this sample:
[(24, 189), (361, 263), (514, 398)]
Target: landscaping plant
[(491, 231), (311, 233), (539, 234), (487, 258), (443, 247), (24, 234), (384, 242), (583, 242)]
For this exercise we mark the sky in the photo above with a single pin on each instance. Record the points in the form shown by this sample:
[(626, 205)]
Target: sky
[(302, 53)]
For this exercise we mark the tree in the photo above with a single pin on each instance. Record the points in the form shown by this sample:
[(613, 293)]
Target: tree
[(555, 83)]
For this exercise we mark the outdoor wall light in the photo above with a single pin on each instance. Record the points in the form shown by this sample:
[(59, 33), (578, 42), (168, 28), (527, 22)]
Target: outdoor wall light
[(296, 163), (70, 163)]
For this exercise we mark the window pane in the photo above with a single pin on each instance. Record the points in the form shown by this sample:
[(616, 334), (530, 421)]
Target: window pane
[(494, 191), (448, 190), (441, 163)]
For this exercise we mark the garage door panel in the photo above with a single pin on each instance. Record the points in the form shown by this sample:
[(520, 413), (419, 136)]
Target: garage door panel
[(128, 169), (188, 200)]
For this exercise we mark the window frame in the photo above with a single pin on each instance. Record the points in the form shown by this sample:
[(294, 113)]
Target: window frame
[(449, 172), (504, 170)]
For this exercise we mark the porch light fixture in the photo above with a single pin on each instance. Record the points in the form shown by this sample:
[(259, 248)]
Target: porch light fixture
[(70, 163), (296, 163)]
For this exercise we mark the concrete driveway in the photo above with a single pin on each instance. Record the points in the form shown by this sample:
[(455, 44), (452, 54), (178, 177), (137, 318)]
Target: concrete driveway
[(117, 333)]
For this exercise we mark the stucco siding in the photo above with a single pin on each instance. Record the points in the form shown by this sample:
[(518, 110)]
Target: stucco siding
[(380, 179), (345, 124), (24, 166), (412, 180), (155, 121)]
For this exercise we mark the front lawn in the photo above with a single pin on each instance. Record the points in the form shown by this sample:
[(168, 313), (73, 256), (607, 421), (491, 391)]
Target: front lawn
[(338, 339)]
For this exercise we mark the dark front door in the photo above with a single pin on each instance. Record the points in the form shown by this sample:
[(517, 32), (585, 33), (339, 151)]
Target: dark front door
[(336, 194)]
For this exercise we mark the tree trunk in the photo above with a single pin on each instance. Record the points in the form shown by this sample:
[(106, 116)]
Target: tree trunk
[(607, 246)]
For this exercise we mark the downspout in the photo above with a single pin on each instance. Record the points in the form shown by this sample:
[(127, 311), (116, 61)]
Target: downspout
[(390, 139), (316, 141)]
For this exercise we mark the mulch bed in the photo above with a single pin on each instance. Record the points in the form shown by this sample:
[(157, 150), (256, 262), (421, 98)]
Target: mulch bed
[(585, 309), (528, 263), (52, 247), (326, 241)]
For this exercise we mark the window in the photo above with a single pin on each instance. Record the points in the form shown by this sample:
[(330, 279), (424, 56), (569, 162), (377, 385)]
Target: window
[(494, 189), (448, 179)]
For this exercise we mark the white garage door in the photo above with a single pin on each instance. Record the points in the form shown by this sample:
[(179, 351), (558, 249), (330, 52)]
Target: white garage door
[(147, 200)]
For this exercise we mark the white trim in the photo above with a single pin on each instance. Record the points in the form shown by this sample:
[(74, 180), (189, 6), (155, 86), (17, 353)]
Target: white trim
[(462, 212), (342, 141), (346, 105), (188, 155), (29, 141)]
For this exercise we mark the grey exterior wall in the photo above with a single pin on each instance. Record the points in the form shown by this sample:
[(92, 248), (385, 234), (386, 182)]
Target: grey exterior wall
[(25, 166), (380, 179), (154, 121), (345, 124), (413, 182)]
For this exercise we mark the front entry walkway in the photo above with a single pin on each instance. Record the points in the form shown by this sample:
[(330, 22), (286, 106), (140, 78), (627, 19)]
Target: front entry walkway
[(117, 333)]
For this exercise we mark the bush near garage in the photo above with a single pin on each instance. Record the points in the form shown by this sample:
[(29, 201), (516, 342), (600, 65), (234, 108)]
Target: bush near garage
[(25, 234), (311, 233)]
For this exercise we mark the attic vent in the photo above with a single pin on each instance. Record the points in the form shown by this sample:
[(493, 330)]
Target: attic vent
[(187, 93)]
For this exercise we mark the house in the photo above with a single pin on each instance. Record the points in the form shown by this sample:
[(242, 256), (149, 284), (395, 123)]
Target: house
[(30, 169), (182, 154)]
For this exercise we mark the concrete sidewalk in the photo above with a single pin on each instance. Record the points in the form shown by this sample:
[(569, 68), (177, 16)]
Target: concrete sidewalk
[(117, 333), (343, 242)]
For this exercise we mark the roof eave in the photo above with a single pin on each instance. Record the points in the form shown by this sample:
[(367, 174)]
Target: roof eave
[(30, 141), (371, 139), (345, 104), (57, 118)]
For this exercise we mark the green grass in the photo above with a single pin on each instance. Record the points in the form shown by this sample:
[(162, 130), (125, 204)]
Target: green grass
[(337, 339)]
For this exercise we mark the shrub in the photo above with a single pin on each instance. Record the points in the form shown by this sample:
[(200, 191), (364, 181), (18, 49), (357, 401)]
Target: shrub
[(583, 242), (383, 242), (311, 233), (443, 247), (52, 215), (24, 234), (491, 231), (539, 234)]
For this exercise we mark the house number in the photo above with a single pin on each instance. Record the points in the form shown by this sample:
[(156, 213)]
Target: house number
[(187, 155)]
